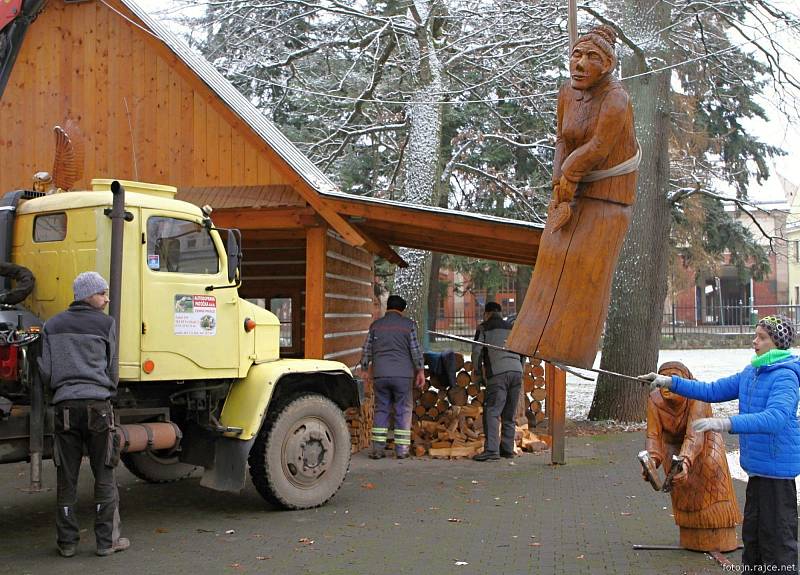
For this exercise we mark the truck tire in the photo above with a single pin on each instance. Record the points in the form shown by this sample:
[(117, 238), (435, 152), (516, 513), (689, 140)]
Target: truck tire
[(302, 453), (154, 469)]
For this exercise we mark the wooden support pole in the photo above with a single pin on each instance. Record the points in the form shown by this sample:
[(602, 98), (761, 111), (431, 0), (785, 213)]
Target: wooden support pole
[(316, 261), (556, 385), (572, 23)]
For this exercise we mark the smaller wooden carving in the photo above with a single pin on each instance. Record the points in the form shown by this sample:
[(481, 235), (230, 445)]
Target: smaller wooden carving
[(703, 501)]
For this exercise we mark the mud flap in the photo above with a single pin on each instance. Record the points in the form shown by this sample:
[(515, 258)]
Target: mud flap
[(229, 470)]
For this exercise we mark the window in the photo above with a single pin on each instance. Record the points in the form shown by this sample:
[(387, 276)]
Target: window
[(173, 246), (50, 228), (282, 307)]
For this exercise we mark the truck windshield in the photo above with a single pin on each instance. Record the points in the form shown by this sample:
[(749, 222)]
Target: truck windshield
[(180, 246)]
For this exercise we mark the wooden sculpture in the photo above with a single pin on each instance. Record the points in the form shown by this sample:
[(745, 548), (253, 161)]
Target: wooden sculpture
[(703, 501), (594, 186)]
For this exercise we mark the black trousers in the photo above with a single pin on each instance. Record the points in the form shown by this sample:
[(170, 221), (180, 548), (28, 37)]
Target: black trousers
[(769, 531), (499, 407), (78, 424)]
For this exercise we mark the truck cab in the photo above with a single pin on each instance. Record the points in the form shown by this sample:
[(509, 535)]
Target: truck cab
[(191, 352)]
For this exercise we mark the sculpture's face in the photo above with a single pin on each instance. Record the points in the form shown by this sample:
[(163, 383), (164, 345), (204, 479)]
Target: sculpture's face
[(587, 65), (762, 342)]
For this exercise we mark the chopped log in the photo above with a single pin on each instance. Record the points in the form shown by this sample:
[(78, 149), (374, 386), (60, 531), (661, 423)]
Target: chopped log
[(463, 379), (419, 410), (470, 410), (536, 406), (442, 394), (537, 371), (459, 361), (428, 399), (473, 389), (527, 383), (433, 413), (468, 366), (458, 395), (539, 394), (538, 382), (419, 450), (441, 445), (479, 398), (475, 377), (540, 417), (442, 405)]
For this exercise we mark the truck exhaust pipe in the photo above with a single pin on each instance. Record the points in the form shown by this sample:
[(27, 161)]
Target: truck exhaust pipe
[(118, 217)]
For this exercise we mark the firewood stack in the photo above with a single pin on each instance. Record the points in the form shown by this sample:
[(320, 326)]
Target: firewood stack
[(448, 420), (359, 421)]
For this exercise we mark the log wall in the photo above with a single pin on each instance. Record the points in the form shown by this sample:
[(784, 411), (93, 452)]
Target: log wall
[(349, 294)]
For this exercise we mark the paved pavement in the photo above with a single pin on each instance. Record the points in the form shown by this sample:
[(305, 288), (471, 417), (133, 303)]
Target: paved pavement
[(390, 517)]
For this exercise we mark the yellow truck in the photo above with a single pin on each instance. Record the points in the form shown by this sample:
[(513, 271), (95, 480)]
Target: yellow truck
[(201, 384)]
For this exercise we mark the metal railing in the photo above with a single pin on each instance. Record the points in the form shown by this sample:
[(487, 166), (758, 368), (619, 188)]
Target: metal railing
[(726, 319)]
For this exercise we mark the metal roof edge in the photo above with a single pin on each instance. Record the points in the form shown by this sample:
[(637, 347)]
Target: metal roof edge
[(236, 101)]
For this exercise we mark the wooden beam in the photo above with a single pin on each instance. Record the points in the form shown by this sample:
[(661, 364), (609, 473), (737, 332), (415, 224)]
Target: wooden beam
[(376, 214), (266, 218), (316, 249)]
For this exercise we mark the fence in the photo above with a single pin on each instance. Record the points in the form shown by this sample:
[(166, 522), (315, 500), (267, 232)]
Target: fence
[(727, 319)]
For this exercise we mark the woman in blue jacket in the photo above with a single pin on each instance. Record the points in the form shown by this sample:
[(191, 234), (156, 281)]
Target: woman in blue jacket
[(769, 440)]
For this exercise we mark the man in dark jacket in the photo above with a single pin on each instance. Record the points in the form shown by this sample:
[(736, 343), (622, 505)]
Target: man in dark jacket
[(78, 362), (502, 372), (393, 350)]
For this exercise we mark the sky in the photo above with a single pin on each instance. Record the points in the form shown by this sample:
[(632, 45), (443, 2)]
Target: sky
[(778, 131)]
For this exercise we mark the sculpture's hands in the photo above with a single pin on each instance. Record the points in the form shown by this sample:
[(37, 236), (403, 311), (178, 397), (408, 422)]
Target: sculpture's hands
[(683, 474), (566, 190), (719, 424), (559, 212)]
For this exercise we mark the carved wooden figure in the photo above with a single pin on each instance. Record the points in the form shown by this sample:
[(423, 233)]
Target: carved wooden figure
[(703, 501), (594, 186)]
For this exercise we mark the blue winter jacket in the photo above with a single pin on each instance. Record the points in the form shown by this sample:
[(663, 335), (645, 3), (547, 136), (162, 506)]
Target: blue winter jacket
[(769, 440)]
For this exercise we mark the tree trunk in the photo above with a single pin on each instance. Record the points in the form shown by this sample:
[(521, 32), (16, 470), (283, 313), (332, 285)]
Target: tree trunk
[(633, 326), (421, 161)]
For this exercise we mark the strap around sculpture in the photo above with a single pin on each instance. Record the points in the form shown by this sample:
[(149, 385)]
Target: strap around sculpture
[(626, 167)]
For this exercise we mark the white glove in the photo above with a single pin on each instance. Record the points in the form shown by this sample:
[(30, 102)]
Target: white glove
[(656, 381), (712, 424)]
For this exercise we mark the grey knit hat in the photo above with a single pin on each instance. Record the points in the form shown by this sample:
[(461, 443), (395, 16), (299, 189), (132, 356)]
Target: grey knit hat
[(87, 284), (780, 329)]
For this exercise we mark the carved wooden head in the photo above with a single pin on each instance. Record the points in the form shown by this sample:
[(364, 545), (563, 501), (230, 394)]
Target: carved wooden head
[(673, 368), (593, 57)]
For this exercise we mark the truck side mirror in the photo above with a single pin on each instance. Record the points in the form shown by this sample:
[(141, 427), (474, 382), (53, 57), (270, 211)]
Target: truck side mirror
[(233, 248)]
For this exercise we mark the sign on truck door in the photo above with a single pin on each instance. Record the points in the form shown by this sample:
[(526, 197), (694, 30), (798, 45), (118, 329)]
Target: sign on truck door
[(185, 326)]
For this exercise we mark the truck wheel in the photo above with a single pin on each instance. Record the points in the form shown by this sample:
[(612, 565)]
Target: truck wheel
[(301, 454), (155, 469)]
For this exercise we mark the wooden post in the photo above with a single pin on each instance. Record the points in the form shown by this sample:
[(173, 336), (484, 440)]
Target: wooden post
[(556, 385), (316, 259), (572, 23)]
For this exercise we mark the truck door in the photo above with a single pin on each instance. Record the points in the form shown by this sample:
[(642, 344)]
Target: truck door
[(188, 332)]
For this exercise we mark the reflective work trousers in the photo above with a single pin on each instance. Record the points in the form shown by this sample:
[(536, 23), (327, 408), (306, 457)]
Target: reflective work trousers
[(88, 423), (392, 391)]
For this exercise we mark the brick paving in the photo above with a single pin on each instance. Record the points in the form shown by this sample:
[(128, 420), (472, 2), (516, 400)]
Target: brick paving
[(390, 517)]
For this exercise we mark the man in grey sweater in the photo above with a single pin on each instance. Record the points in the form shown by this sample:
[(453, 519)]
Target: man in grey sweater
[(78, 363), (502, 373)]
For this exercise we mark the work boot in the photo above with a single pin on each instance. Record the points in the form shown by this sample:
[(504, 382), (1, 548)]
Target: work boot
[(507, 454), (67, 550), (377, 451), (486, 456), (120, 544), (401, 452)]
